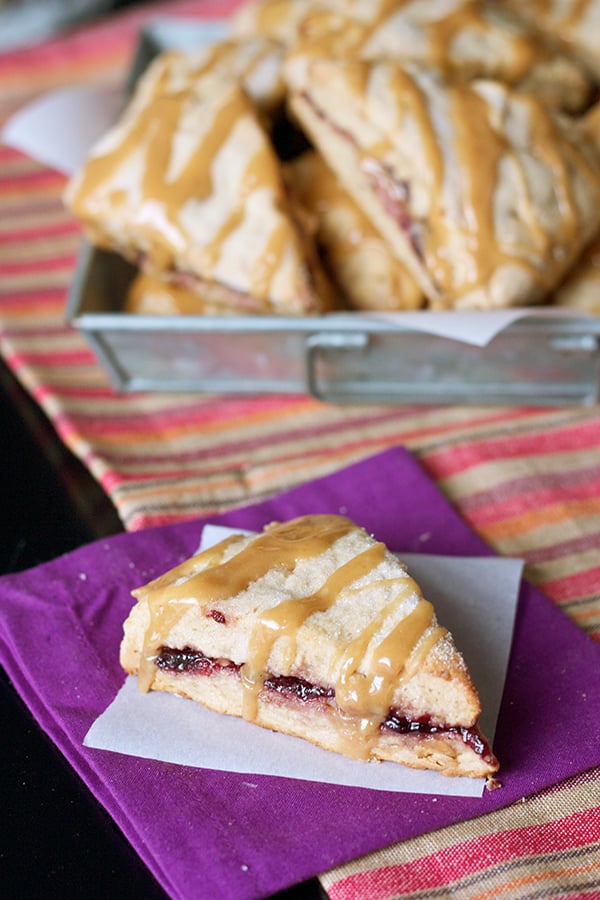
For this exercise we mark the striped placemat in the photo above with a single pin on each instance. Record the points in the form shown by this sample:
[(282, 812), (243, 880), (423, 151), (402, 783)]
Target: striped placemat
[(527, 480)]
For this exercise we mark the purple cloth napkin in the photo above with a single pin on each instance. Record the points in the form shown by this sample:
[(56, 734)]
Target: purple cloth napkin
[(214, 834)]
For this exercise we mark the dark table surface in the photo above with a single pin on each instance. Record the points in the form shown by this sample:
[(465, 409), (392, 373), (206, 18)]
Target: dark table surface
[(57, 840)]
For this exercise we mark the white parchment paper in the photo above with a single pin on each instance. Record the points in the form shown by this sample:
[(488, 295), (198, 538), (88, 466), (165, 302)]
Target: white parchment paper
[(475, 598)]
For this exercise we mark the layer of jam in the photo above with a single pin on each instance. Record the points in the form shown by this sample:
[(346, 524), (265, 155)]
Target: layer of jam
[(193, 662), (393, 193), (401, 724)]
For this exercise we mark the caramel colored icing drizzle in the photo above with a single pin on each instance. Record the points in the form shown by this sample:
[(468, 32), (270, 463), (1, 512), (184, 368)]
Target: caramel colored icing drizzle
[(415, 32), (366, 671), (462, 134), (182, 178), (343, 230)]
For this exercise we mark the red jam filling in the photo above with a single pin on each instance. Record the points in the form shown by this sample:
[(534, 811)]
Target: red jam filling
[(402, 724), (395, 198), (193, 662)]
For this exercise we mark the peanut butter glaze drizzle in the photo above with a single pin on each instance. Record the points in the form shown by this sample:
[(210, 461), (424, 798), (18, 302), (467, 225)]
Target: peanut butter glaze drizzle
[(366, 672), (436, 41), (478, 147), (156, 198)]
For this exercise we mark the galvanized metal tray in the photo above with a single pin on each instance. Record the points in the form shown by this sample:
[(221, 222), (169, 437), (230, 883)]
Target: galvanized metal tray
[(336, 357)]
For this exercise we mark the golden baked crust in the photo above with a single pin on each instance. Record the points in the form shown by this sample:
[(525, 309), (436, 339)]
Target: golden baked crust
[(480, 191), (314, 629), (284, 20), (458, 39), (355, 254), (188, 187), (149, 295), (570, 24), (580, 291), (254, 63)]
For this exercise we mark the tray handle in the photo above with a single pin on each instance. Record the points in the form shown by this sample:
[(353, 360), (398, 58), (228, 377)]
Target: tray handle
[(321, 342)]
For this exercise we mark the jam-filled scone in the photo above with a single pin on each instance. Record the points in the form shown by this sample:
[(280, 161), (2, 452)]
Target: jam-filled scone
[(283, 20), (574, 24), (314, 629), (188, 187), (255, 63), (580, 291), (460, 40), (148, 295), (356, 256), (480, 191)]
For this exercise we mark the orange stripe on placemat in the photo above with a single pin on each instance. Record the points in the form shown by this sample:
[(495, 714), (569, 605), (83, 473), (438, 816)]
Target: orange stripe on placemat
[(479, 417), (178, 420), (536, 879), (522, 503), (574, 436), (537, 518), (477, 855), (61, 358)]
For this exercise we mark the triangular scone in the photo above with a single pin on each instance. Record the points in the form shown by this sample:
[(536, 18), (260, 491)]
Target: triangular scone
[(314, 629), (580, 291), (480, 191), (570, 24), (283, 20), (188, 186), (255, 63), (460, 40), (356, 256)]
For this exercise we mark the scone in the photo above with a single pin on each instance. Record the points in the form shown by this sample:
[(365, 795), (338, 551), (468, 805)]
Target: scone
[(580, 291), (460, 40), (283, 20), (572, 24), (148, 295), (480, 191), (314, 629), (356, 256), (254, 63), (188, 187)]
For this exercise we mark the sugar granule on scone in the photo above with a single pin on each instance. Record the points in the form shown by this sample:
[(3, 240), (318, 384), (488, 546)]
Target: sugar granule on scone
[(314, 629), (484, 194)]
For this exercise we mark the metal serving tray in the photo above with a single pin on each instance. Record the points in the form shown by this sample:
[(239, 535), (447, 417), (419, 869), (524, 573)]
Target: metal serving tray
[(336, 357)]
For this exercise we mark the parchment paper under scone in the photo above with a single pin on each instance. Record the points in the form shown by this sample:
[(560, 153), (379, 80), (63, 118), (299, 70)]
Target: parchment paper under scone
[(314, 629), (485, 195)]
